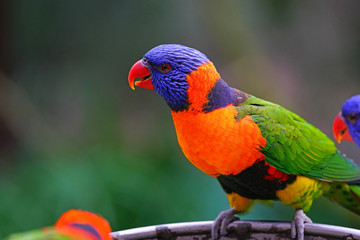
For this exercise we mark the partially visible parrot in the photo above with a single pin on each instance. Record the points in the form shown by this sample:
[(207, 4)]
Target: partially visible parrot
[(72, 225), (346, 124), (256, 149)]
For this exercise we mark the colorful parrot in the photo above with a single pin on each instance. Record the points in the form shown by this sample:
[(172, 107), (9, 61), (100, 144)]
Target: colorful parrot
[(346, 124), (72, 225), (256, 149)]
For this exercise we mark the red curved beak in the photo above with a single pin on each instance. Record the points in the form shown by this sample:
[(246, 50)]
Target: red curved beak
[(340, 130), (139, 70)]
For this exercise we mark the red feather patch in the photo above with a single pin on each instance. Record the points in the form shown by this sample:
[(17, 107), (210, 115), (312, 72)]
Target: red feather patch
[(275, 174)]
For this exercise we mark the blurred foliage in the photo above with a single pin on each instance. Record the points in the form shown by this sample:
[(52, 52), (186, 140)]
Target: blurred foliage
[(74, 135)]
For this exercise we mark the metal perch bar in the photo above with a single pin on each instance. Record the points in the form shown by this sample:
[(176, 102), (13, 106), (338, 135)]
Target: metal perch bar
[(236, 230)]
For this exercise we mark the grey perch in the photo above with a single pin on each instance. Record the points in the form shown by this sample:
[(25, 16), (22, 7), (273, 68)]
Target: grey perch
[(237, 230)]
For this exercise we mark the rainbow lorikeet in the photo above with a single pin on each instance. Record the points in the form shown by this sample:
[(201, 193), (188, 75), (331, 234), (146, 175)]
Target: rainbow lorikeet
[(72, 225), (346, 124), (256, 149)]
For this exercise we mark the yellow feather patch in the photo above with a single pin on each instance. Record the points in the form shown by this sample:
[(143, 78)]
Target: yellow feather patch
[(238, 202), (301, 193)]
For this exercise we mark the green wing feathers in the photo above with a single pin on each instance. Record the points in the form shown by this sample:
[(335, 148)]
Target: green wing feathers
[(337, 168), (295, 146)]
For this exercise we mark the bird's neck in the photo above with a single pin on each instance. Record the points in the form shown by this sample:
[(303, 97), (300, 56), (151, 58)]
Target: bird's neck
[(207, 91)]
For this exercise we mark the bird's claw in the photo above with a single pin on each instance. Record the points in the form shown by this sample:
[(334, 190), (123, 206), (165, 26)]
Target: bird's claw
[(222, 221), (298, 224)]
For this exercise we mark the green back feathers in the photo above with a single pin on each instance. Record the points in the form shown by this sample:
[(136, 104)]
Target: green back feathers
[(295, 146)]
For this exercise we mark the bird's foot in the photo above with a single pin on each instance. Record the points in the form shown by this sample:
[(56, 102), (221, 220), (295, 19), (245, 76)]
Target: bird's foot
[(298, 224), (221, 223)]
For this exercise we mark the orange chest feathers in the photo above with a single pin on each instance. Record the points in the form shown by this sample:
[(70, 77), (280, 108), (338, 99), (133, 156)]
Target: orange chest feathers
[(216, 143)]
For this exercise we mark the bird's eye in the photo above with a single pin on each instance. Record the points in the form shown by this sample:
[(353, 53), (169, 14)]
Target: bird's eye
[(165, 68), (144, 60), (353, 117)]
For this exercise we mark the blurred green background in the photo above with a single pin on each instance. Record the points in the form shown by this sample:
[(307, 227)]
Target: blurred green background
[(74, 135)]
